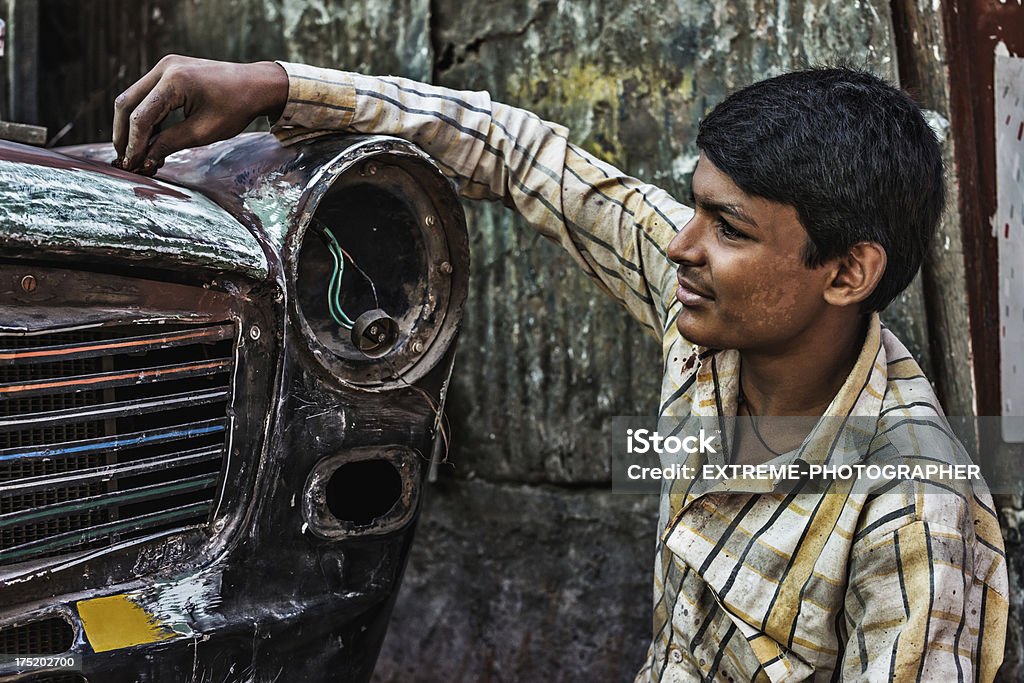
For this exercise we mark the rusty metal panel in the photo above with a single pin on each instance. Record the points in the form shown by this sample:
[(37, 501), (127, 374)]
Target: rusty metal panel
[(974, 29)]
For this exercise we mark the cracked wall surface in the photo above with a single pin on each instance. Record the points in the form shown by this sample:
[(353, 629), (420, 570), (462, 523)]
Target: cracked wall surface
[(526, 567)]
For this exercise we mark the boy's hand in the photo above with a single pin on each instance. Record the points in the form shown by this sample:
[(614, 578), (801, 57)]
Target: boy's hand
[(219, 100)]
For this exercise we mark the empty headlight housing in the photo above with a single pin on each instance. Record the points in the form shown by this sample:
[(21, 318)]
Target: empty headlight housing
[(379, 265)]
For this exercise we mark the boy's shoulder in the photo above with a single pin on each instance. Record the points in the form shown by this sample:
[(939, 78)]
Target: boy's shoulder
[(913, 430), (908, 391)]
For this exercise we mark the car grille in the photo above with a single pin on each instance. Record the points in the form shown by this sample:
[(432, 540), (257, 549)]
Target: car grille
[(44, 637), (109, 434)]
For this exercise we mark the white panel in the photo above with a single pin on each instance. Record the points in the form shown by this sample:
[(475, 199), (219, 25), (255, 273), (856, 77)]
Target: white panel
[(1009, 230)]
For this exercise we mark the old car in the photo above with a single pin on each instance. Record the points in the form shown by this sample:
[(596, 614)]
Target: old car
[(221, 391)]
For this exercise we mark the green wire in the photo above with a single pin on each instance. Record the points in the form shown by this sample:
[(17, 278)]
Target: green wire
[(334, 288)]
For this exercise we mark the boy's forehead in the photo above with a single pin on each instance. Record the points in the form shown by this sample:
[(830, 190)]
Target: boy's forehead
[(715, 190)]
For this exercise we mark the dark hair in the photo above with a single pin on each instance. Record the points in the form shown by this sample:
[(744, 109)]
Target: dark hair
[(853, 154)]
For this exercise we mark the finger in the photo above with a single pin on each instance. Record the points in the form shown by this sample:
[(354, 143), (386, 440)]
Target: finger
[(191, 132), (125, 104), (143, 121)]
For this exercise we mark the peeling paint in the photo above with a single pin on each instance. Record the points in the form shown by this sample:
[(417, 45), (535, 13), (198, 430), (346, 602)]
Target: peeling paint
[(69, 208), (273, 202), (187, 606), (158, 612)]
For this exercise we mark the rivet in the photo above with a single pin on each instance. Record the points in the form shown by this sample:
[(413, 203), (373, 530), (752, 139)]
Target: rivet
[(254, 332), (417, 347), (446, 268), (371, 169), (28, 283), (431, 220)]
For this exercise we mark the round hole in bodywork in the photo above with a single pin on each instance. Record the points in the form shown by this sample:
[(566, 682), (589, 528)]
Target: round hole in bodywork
[(362, 491), (378, 228)]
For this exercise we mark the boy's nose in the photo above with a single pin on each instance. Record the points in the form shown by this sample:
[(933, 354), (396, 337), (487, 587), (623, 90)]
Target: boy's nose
[(686, 248)]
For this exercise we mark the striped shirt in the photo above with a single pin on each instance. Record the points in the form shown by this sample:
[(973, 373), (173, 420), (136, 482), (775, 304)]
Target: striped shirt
[(843, 582)]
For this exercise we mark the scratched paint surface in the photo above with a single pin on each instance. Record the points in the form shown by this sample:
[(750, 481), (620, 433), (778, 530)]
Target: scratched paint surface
[(53, 206), (160, 611), (1008, 225)]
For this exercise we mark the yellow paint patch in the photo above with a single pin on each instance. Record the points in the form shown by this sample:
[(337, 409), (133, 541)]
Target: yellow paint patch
[(114, 622)]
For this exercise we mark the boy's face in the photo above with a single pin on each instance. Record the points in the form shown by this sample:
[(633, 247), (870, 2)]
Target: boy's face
[(742, 280)]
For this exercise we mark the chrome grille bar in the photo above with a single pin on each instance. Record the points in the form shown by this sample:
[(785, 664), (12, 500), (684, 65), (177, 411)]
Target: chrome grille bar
[(108, 411), (73, 539), (108, 472), (108, 380), (106, 347), (106, 500), (120, 442)]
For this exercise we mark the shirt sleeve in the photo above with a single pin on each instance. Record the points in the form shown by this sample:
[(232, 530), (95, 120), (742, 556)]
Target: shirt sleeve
[(925, 602), (614, 226)]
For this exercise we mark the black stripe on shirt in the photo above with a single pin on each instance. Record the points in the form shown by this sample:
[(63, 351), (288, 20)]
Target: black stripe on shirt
[(895, 514), (931, 603), (674, 396), (325, 105), (398, 104), (723, 646), (915, 404), (639, 228), (724, 538), (646, 199), (963, 615), (899, 574), (981, 631), (991, 547)]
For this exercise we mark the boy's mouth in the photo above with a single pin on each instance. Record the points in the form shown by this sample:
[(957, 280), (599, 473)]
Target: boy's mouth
[(691, 294)]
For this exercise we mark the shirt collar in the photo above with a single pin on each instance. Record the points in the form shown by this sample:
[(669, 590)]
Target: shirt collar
[(835, 438)]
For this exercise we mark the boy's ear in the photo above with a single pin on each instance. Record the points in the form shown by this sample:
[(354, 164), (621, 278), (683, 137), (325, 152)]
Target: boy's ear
[(857, 274)]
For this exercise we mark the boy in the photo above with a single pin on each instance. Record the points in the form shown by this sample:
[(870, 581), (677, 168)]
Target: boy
[(815, 196)]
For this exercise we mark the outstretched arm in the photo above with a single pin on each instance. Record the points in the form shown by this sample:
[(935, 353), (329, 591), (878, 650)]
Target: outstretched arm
[(613, 225)]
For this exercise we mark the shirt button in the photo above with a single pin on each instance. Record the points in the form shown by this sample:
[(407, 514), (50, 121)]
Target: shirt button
[(675, 655)]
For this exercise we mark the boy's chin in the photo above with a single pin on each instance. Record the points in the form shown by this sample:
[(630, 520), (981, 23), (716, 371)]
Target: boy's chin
[(698, 332)]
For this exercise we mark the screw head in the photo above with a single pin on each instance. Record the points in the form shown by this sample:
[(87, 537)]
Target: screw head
[(371, 169), (254, 332), (374, 329), (446, 268), (417, 347), (431, 221), (29, 283)]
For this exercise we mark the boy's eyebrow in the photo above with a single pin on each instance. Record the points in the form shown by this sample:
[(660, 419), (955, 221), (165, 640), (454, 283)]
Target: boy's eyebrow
[(728, 209)]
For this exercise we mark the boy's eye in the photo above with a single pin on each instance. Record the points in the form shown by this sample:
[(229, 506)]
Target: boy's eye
[(728, 231)]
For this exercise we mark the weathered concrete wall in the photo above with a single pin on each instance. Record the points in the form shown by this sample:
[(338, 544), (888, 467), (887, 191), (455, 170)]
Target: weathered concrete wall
[(526, 566)]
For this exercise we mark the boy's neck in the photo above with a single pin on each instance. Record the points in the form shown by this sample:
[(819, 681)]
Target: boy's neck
[(804, 378)]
